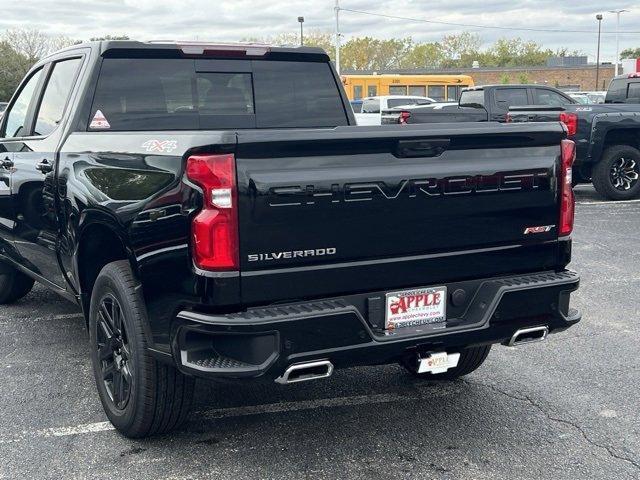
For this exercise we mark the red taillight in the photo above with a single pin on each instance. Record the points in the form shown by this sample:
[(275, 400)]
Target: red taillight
[(567, 199), (404, 118), (214, 230), (571, 121)]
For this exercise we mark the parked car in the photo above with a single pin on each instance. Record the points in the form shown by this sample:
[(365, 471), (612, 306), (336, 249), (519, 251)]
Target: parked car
[(481, 104), (624, 89), (580, 97), (588, 97), (372, 106), (596, 97), (608, 141), (241, 228)]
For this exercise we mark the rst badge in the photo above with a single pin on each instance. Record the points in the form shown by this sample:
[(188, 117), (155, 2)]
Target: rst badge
[(540, 229)]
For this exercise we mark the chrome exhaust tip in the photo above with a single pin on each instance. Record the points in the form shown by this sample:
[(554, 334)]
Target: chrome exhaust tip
[(528, 335), (303, 372)]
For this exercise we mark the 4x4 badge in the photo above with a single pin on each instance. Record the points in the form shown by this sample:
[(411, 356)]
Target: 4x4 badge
[(160, 146)]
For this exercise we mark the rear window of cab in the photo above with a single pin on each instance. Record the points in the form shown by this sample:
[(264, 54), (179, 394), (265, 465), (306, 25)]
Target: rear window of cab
[(186, 94)]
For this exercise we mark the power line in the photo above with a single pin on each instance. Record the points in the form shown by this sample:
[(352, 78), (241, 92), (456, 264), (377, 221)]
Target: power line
[(471, 25)]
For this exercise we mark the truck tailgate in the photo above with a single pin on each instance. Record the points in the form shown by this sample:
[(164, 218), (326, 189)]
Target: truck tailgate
[(354, 209)]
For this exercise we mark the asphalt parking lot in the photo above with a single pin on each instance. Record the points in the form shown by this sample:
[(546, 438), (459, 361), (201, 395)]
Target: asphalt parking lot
[(568, 408)]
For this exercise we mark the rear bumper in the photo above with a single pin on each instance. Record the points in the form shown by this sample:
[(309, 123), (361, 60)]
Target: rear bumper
[(348, 331)]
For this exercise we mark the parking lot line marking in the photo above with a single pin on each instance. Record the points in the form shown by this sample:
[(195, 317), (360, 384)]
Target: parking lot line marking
[(58, 432), (609, 202), (232, 412)]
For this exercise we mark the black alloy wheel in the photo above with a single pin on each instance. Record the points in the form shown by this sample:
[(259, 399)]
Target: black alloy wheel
[(114, 352), (616, 175), (624, 173)]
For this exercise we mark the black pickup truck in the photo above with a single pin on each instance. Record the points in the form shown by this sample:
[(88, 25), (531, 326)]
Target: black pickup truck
[(479, 104), (216, 214), (607, 138)]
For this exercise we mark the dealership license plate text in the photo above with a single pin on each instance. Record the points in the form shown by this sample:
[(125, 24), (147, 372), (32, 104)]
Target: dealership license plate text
[(412, 308)]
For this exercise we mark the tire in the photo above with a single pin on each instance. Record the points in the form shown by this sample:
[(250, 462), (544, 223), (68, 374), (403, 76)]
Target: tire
[(140, 396), (470, 359), (13, 284), (617, 175)]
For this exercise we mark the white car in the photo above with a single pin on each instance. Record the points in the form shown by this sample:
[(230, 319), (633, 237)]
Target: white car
[(372, 106), (588, 97)]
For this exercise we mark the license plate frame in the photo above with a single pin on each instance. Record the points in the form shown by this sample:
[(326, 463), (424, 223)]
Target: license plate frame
[(415, 307)]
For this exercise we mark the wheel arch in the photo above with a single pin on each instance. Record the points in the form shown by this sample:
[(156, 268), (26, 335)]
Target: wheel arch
[(608, 130), (622, 136), (100, 240)]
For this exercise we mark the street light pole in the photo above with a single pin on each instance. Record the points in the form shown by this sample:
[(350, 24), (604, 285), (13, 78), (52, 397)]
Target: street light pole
[(301, 20), (337, 10), (599, 18), (617, 12)]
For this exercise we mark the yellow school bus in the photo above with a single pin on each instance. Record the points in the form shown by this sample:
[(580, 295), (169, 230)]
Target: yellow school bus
[(442, 88)]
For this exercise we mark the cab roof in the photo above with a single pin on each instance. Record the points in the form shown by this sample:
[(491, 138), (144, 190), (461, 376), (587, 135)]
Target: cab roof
[(193, 49)]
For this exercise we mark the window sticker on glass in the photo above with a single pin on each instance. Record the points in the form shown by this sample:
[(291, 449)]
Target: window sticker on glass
[(99, 121)]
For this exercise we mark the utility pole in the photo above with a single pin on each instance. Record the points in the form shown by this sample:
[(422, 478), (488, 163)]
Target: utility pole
[(337, 10), (617, 12), (599, 18), (301, 20)]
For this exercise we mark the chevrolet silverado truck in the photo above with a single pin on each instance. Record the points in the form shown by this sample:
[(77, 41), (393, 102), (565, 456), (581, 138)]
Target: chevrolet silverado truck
[(607, 138), (216, 214), (488, 103)]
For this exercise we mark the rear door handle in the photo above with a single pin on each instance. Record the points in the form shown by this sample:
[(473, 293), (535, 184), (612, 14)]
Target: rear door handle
[(44, 166), (7, 163)]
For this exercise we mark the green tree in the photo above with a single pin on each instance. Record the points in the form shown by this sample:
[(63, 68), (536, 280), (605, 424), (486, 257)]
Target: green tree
[(453, 51), (465, 43), (13, 67), (523, 78), (110, 37), (565, 52), (34, 44), (461, 50), (313, 38), (424, 55), (514, 52), (630, 53), (367, 53), (505, 79)]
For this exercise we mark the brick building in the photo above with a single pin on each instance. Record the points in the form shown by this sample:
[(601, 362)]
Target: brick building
[(581, 77)]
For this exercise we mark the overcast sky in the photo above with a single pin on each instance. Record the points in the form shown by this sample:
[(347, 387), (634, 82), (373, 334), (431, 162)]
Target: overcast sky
[(236, 19)]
